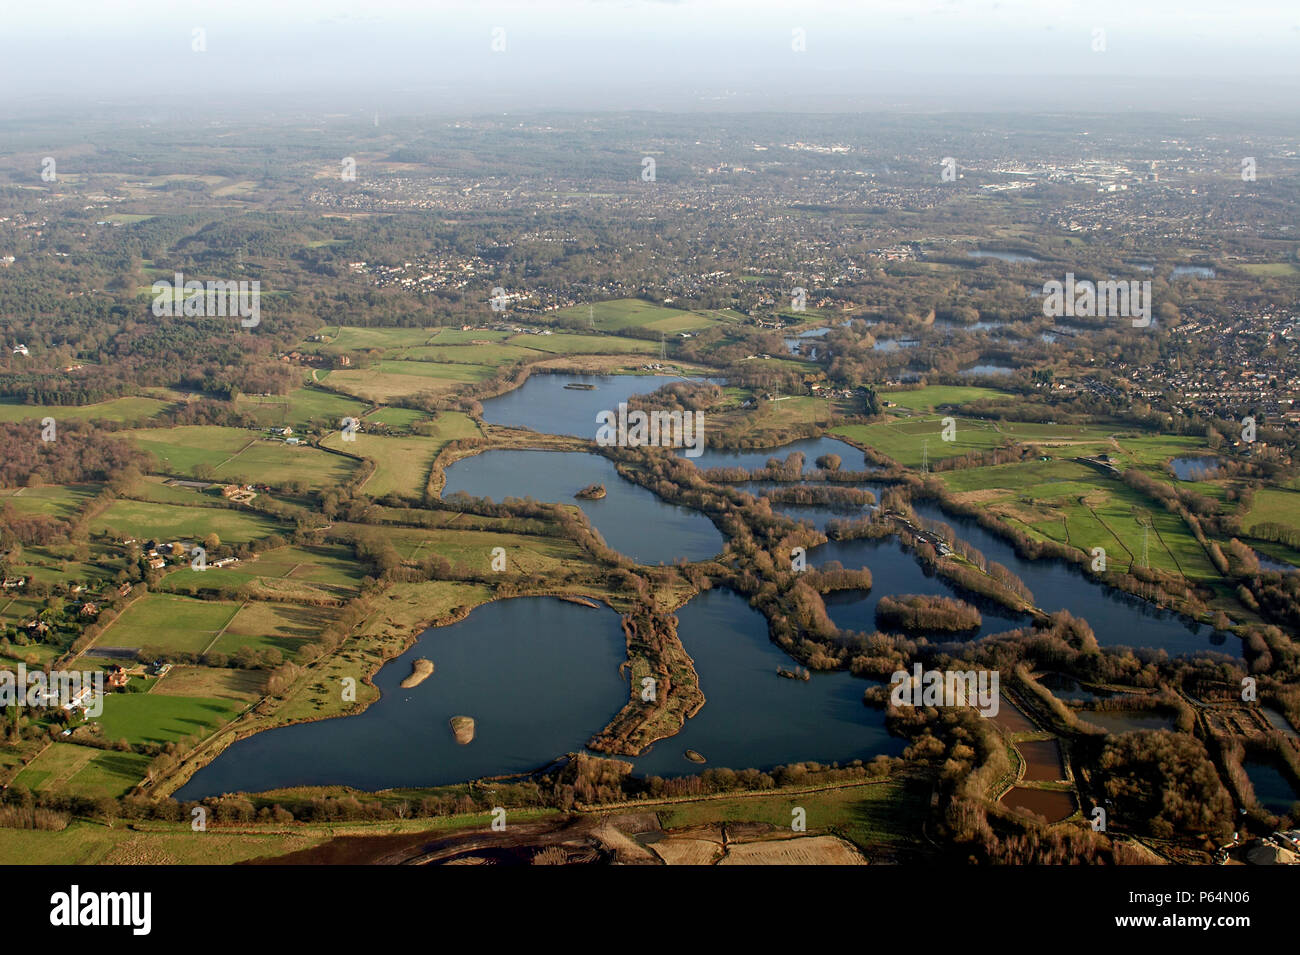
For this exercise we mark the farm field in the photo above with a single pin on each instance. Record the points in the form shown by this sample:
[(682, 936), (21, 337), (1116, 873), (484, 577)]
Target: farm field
[(393, 380), (118, 409), (60, 501), (302, 409), (567, 343), (326, 570), (169, 622), (83, 771), (634, 313), (908, 440), (403, 463), (144, 520), (158, 718), (931, 397), (524, 553)]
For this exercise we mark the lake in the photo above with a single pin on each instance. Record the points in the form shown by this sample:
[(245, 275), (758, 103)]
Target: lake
[(851, 459), (1117, 618), (1194, 467), (1272, 789), (543, 403), (1003, 256), (754, 719), (633, 521), (538, 675)]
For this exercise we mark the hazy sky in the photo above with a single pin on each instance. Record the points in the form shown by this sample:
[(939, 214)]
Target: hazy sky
[(651, 54)]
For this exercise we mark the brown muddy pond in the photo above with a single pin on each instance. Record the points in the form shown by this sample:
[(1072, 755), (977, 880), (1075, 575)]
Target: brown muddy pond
[(1051, 804), (1042, 760), (1011, 720), (1127, 721)]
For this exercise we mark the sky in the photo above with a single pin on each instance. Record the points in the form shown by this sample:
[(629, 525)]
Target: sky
[(815, 55)]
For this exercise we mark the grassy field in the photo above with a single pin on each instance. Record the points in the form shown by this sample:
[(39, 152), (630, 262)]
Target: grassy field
[(635, 313), (907, 440), (524, 553), (880, 815), (119, 410), (301, 409), (402, 463), (393, 380), (931, 397), (82, 771), (142, 520), (161, 718), (567, 343), (169, 622), (262, 625), (286, 572), (59, 501), (1273, 506)]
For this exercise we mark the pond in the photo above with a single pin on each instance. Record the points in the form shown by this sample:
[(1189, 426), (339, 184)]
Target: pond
[(753, 718), (633, 521), (1127, 721), (1003, 255), (1197, 467), (544, 403), (851, 459), (1272, 789), (1192, 271), (538, 675), (1117, 618)]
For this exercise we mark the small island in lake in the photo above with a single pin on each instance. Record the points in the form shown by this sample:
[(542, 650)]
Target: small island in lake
[(421, 670), (463, 728), (580, 386), (592, 492), (694, 757), (798, 673)]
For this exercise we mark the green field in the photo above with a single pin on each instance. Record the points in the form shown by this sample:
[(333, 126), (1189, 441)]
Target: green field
[(142, 519), (635, 313), (286, 572), (59, 501), (301, 409), (473, 549), (566, 343), (908, 440), (119, 410), (931, 397), (403, 463), (83, 771), (168, 622), (155, 718)]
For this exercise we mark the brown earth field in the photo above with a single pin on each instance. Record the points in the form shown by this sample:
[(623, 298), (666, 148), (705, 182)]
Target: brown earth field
[(628, 839)]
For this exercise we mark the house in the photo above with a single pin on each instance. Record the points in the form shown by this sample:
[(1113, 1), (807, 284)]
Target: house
[(20, 350), (157, 563), (89, 609), (117, 676), (225, 562), (13, 583), (282, 432)]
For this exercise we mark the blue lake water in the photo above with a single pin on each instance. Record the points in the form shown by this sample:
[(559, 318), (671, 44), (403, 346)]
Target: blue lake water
[(538, 675), (544, 404), (632, 520), (753, 718)]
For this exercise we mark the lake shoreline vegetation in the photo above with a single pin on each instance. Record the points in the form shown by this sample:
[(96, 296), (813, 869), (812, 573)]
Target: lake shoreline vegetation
[(207, 528)]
